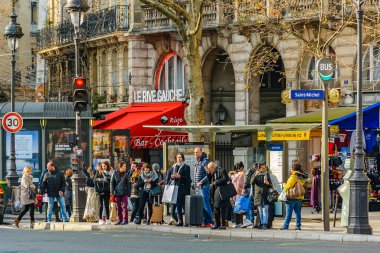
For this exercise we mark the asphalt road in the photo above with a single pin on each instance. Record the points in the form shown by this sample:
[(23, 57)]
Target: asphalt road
[(15, 240)]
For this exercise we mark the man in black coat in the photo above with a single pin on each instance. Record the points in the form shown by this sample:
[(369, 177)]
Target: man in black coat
[(54, 185), (219, 177), (180, 176)]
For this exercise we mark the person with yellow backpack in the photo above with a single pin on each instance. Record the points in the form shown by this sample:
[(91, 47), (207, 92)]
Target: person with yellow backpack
[(295, 191)]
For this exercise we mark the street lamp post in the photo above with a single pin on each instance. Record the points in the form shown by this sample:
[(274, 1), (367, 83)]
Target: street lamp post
[(13, 33), (76, 8), (358, 219)]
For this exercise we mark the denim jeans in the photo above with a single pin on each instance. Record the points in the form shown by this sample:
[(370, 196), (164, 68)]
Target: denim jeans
[(250, 215), (207, 211), (293, 204), (61, 201), (264, 212)]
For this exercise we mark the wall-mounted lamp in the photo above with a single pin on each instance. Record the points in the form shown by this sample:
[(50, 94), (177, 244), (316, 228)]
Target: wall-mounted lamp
[(221, 114)]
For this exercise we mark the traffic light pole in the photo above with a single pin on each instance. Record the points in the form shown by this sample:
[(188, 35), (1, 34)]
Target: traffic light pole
[(79, 178)]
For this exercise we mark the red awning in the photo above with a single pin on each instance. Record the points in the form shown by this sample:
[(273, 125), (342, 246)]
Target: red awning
[(134, 116)]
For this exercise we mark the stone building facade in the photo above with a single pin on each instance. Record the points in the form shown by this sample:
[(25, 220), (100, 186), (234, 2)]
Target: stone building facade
[(133, 45), (27, 11)]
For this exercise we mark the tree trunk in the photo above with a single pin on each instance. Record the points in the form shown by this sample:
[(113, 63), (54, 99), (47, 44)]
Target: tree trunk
[(195, 112)]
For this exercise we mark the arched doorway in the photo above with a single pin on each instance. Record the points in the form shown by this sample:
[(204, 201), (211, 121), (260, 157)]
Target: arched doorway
[(272, 83), (219, 84)]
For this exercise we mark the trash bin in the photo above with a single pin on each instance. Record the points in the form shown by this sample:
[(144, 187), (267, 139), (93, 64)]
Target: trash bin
[(3, 201)]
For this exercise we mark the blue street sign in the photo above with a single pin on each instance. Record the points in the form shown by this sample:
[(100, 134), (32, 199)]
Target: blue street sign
[(307, 94), (275, 147)]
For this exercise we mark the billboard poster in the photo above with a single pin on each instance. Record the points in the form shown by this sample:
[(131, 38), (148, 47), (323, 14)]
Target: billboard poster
[(101, 146), (27, 153), (59, 149)]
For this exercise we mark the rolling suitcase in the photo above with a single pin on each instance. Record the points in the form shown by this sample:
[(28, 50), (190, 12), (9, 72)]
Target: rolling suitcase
[(193, 210), (157, 212)]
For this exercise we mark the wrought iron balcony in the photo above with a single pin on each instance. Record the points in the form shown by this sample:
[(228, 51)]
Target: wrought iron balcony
[(213, 15), (95, 24)]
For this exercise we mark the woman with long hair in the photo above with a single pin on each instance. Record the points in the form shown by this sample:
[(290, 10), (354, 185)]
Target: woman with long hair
[(69, 191), (147, 180), (27, 199), (102, 186), (134, 175)]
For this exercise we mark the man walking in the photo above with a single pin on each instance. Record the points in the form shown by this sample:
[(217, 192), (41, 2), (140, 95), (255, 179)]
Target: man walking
[(54, 186), (202, 181)]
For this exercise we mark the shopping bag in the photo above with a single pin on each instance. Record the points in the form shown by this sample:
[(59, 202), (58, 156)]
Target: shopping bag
[(241, 204), (91, 211), (282, 196), (170, 194), (113, 212)]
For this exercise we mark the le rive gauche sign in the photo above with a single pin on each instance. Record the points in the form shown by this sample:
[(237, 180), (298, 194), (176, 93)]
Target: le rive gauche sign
[(285, 136), (154, 96)]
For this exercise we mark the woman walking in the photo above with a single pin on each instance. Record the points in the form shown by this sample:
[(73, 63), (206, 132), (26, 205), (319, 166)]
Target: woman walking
[(102, 186), (147, 180), (294, 200), (262, 186), (69, 191), (120, 190), (27, 196)]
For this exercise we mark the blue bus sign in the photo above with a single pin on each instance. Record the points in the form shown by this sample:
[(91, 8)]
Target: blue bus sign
[(307, 95)]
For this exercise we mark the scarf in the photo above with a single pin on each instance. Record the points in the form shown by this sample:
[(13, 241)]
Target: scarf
[(153, 175), (135, 175)]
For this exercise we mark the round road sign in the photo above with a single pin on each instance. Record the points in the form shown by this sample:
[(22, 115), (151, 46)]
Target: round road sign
[(326, 69), (12, 122)]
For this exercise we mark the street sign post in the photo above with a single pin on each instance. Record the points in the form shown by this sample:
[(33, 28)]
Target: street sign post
[(326, 69), (307, 94), (12, 122)]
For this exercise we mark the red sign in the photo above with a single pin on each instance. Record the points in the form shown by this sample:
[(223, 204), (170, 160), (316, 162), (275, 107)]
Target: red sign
[(12, 122)]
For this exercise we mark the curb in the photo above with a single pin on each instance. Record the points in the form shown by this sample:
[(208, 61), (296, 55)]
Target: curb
[(236, 233)]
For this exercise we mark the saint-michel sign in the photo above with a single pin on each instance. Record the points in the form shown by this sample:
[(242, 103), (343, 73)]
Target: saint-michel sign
[(156, 96)]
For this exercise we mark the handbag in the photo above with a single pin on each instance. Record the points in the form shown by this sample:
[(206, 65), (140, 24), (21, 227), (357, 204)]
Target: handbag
[(170, 194), (101, 185), (31, 194), (296, 192), (241, 204), (156, 190), (282, 196), (227, 191), (272, 196)]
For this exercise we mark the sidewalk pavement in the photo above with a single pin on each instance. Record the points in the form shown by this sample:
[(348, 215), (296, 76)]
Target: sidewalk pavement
[(312, 229)]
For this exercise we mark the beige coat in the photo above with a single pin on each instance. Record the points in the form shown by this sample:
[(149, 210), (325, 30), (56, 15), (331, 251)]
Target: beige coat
[(26, 183)]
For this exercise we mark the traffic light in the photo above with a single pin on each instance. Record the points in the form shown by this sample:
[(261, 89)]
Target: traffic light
[(80, 98)]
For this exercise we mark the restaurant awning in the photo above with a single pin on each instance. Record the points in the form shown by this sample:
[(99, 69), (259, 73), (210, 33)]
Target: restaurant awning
[(134, 116)]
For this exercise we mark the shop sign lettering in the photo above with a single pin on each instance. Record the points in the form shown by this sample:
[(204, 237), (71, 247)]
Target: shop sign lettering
[(155, 96)]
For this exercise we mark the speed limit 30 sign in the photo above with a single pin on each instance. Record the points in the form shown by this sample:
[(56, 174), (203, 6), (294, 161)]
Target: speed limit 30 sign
[(12, 122)]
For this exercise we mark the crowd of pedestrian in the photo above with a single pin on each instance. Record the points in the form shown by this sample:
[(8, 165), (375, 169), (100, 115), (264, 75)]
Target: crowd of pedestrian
[(223, 192)]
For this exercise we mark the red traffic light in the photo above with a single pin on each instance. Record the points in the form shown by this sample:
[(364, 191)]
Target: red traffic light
[(79, 82)]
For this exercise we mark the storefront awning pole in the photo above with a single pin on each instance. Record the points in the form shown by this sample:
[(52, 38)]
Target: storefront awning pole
[(213, 145)]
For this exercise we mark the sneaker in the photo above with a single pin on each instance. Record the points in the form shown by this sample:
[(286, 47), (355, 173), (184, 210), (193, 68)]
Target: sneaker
[(264, 227), (118, 223), (101, 222), (124, 223), (108, 222), (222, 227), (215, 227), (298, 229), (284, 229), (250, 226), (247, 224), (209, 225), (236, 226)]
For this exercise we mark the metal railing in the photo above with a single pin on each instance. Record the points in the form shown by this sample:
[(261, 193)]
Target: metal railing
[(98, 23)]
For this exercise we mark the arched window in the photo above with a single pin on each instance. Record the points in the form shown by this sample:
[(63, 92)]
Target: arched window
[(371, 65), (171, 74)]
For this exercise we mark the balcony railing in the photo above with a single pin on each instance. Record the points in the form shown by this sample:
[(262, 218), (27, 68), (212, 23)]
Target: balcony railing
[(95, 24), (213, 14)]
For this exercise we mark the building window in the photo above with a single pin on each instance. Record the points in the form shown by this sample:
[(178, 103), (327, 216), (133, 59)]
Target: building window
[(371, 66), (34, 13), (171, 74)]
